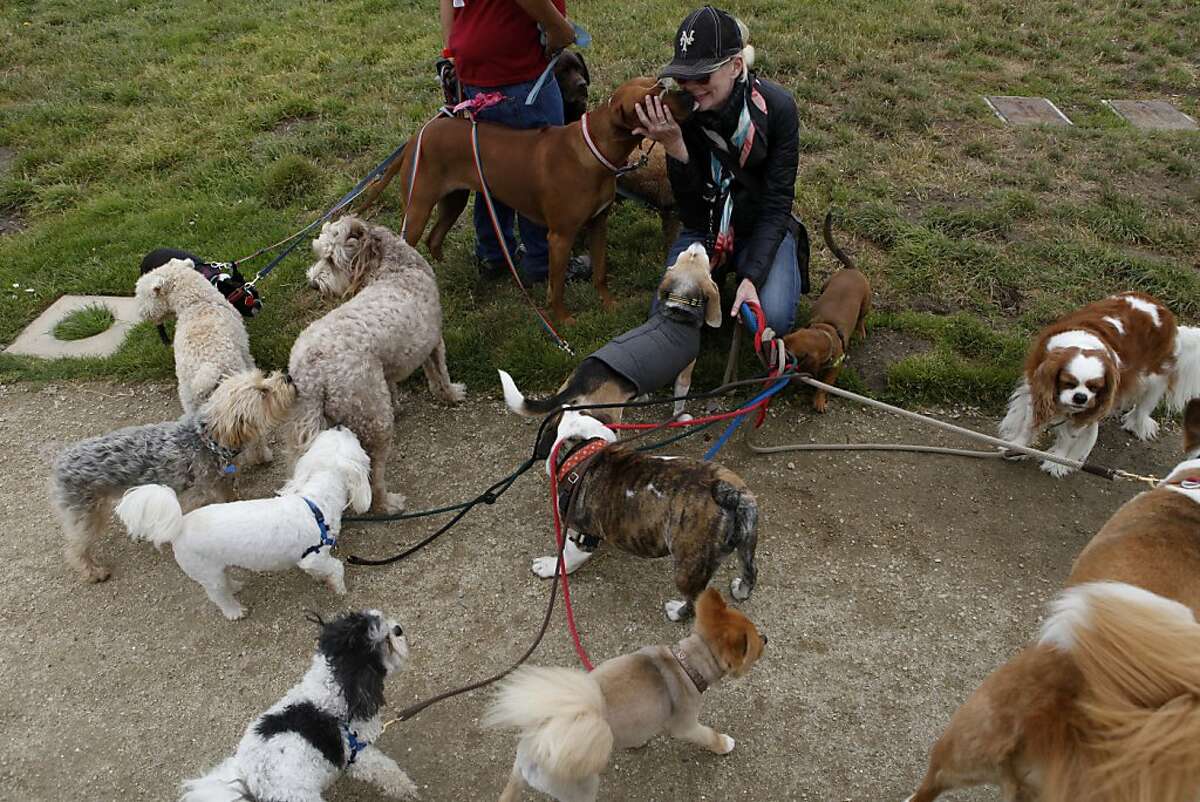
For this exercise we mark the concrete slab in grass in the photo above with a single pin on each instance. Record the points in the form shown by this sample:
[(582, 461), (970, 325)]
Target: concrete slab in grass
[(38, 337), (1017, 110), (1154, 115)]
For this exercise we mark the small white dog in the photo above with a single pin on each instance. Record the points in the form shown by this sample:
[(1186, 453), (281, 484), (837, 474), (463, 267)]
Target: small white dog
[(298, 528), (210, 339), (323, 726)]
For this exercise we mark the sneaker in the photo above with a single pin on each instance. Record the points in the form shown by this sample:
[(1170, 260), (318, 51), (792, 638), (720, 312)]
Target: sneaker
[(497, 269), (578, 269)]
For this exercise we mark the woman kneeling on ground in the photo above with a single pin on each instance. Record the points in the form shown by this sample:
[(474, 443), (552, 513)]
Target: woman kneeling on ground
[(732, 164)]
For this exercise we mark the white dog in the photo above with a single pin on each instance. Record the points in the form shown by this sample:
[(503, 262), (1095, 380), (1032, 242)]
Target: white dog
[(210, 339), (297, 528), (323, 726)]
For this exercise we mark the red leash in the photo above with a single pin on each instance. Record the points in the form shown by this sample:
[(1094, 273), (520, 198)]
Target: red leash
[(561, 568)]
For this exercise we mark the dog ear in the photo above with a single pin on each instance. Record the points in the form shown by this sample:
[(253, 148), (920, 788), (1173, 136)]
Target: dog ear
[(366, 258), (1107, 396), (1043, 388), (712, 303), (587, 78)]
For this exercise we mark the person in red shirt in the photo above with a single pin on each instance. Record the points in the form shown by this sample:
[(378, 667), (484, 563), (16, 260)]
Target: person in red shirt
[(497, 46)]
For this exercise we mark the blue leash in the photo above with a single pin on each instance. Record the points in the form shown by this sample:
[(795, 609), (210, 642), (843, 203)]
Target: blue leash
[(752, 323), (582, 39)]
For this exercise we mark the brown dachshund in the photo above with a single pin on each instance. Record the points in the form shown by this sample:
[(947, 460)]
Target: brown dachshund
[(821, 348), (548, 175)]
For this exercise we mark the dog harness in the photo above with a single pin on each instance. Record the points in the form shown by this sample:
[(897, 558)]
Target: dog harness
[(326, 540), (352, 741), (570, 479), (695, 676), (654, 353)]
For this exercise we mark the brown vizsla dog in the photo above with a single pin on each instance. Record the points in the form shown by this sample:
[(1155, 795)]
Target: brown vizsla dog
[(821, 348), (549, 176)]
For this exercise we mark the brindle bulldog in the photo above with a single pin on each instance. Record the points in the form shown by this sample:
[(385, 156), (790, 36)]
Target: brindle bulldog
[(696, 512)]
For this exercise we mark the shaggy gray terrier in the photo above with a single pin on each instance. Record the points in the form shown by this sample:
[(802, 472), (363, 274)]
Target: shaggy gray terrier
[(210, 339), (346, 364), (195, 452)]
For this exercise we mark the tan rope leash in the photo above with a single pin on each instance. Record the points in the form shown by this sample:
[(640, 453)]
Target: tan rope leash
[(1087, 467)]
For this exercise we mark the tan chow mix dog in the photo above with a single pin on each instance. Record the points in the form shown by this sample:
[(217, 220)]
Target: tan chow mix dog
[(1105, 707), (820, 349), (570, 722)]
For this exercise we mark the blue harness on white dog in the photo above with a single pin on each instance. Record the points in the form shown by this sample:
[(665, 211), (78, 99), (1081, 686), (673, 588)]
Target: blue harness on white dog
[(326, 539)]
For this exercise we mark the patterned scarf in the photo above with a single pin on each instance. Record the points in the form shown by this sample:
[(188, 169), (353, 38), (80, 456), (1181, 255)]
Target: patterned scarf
[(742, 141)]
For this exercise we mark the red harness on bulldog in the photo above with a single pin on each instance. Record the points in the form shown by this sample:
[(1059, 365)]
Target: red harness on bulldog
[(570, 478)]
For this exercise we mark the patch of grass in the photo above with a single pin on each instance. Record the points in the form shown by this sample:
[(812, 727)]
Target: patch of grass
[(222, 127), (86, 322)]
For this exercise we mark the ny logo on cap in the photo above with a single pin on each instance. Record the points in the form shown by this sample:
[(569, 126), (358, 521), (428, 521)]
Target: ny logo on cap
[(685, 40)]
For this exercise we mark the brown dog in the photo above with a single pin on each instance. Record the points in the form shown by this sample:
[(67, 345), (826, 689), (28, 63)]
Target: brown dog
[(570, 722), (650, 185), (820, 349), (549, 176), (571, 75), (1106, 706), (695, 512), (644, 359)]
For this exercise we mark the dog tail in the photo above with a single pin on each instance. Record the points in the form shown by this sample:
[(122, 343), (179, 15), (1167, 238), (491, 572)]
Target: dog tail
[(1138, 708), (521, 405), (827, 233), (742, 508), (1185, 383), (560, 713), (222, 784), (151, 512)]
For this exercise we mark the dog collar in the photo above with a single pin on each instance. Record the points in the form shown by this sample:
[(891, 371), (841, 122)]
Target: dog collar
[(695, 676), (1186, 482), (679, 299), (570, 479), (225, 456), (353, 742), (835, 363), (326, 538), (591, 145)]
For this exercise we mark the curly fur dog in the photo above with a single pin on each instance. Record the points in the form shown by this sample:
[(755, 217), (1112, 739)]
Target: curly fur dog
[(323, 726), (570, 721), (196, 451), (695, 512), (346, 364), (269, 534), (210, 338)]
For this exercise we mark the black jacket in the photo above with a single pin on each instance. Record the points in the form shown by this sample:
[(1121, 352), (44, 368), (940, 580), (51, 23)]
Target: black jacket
[(761, 217)]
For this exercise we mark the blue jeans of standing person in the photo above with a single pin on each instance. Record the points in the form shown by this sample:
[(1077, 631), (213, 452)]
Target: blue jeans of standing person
[(779, 295), (547, 109)]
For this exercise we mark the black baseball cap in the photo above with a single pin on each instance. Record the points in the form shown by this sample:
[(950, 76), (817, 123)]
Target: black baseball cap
[(706, 39)]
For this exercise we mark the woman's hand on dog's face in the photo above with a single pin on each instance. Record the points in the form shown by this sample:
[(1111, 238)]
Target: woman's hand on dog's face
[(659, 125)]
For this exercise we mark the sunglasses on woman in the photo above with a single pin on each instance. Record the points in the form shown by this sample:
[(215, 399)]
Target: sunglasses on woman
[(704, 79)]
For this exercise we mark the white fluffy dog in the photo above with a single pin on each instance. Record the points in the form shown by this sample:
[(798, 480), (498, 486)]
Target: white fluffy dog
[(346, 364), (323, 726), (299, 527), (210, 340)]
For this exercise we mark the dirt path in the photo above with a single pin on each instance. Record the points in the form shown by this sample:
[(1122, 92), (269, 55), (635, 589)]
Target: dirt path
[(890, 585)]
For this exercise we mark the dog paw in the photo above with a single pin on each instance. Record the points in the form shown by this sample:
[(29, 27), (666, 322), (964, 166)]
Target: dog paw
[(545, 566), (1144, 428), (683, 417), (676, 610), (727, 744), (455, 393), (338, 586), (820, 403), (234, 613), (1055, 469), (402, 787), (740, 588), (237, 584), (95, 573), (395, 503)]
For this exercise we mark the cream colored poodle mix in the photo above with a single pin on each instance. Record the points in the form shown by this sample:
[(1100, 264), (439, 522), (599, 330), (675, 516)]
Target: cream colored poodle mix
[(346, 365)]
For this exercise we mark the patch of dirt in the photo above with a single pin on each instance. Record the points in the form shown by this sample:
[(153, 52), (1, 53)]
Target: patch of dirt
[(890, 585), (872, 357)]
